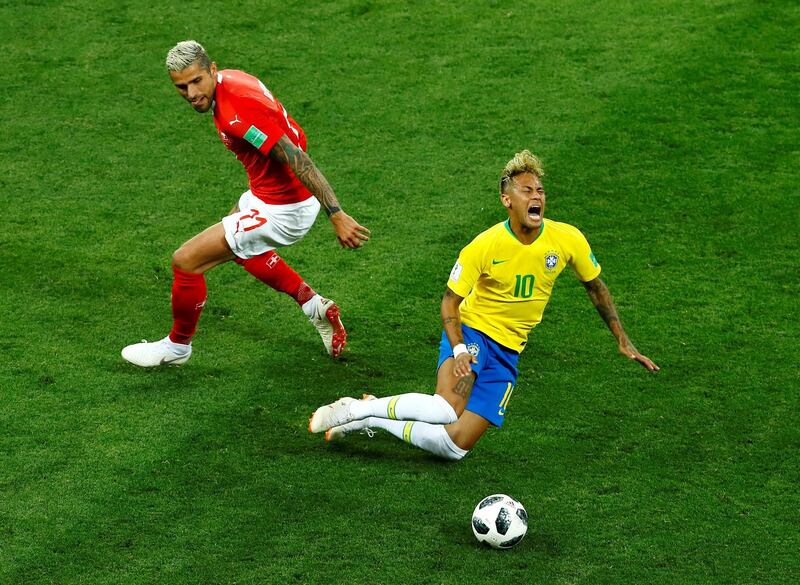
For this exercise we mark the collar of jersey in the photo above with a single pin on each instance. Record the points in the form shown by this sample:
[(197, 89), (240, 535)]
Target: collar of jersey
[(214, 101), (507, 223)]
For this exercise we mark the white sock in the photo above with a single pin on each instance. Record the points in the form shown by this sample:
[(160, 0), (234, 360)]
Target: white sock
[(413, 406), (178, 347), (432, 438), (310, 306)]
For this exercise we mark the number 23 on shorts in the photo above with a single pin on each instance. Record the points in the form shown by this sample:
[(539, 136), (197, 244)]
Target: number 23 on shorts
[(255, 221)]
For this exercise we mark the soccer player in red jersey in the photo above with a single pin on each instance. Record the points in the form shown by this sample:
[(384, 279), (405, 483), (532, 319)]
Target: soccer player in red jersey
[(286, 193)]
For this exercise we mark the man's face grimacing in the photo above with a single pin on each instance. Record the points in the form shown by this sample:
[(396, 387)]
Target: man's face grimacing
[(197, 85), (525, 200)]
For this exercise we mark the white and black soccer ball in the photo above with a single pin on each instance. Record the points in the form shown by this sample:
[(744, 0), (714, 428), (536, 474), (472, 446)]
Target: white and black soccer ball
[(500, 521)]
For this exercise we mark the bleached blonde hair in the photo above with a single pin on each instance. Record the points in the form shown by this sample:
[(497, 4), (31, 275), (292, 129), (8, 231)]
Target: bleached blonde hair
[(523, 162), (185, 54)]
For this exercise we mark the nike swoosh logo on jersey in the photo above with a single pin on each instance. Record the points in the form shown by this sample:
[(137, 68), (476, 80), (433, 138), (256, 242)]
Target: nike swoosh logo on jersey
[(498, 262)]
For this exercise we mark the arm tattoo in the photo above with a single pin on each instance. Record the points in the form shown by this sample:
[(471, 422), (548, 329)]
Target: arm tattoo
[(304, 169), (601, 298), (454, 320)]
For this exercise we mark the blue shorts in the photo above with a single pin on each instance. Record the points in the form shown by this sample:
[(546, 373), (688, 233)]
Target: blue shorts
[(496, 373)]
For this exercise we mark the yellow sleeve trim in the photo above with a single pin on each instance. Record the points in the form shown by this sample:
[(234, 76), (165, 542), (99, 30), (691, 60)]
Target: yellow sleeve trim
[(599, 270), (460, 289)]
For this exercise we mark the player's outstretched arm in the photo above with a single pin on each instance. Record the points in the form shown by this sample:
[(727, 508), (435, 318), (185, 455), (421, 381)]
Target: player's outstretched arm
[(601, 298), (349, 232), (451, 319)]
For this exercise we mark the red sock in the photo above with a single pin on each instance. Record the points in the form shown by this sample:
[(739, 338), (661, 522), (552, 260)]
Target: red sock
[(270, 269), (188, 300)]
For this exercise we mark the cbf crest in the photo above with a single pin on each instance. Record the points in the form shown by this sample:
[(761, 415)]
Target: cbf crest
[(473, 349), (551, 260)]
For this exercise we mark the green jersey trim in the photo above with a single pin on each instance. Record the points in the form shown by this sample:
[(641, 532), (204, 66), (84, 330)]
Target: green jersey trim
[(507, 223)]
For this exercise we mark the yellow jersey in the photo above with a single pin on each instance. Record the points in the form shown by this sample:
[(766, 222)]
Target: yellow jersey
[(506, 284)]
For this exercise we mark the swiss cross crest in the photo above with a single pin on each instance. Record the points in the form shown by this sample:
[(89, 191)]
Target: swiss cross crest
[(551, 260), (226, 140)]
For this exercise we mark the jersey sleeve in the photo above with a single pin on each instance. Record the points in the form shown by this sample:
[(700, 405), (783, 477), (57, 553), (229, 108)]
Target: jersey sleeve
[(259, 126), (466, 270), (582, 259)]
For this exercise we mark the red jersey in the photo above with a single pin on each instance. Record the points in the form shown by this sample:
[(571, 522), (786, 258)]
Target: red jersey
[(250, 121)]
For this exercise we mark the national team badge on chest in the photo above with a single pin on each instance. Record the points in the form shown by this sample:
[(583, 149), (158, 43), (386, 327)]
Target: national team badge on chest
[(226, 140), (551, 260)]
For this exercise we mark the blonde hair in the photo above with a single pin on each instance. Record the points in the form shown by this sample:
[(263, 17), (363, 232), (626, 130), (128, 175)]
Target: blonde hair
[(185, 54), (523, 162)]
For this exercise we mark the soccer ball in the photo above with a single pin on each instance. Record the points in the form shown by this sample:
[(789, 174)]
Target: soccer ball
[(499, 521)]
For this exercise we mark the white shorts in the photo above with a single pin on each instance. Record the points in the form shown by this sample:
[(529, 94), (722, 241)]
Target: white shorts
[(259, 227)]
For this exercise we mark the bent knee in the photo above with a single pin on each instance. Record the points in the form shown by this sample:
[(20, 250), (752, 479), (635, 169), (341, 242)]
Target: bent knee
[(464, 443), (459, 445), (454, 456), (466, 431), (183, 259), (448, 411)]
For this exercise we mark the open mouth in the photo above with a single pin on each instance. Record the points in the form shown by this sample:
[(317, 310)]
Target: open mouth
[(535, 211)]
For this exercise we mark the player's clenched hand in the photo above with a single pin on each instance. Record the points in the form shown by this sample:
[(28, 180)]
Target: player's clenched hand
[(463, 365), (350, 233), (627, 349)]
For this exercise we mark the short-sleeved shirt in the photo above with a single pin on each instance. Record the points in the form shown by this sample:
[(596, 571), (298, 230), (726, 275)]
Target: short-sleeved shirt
[(506, 284), (250, 121)]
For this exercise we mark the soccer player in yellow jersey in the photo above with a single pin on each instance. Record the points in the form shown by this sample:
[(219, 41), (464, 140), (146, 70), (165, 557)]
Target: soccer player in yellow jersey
[(496, 294)]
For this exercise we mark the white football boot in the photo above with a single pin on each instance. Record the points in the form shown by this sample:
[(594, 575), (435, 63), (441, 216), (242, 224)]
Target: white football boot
[(164, 352), (336, 433), (357, 426), (328, 322), (331, 415)]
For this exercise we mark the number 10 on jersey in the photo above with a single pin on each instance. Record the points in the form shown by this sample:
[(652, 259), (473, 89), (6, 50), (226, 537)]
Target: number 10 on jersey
[(524, 286)]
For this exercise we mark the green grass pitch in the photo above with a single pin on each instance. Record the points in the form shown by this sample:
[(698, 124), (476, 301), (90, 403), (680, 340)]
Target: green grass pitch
[(669, 131)]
